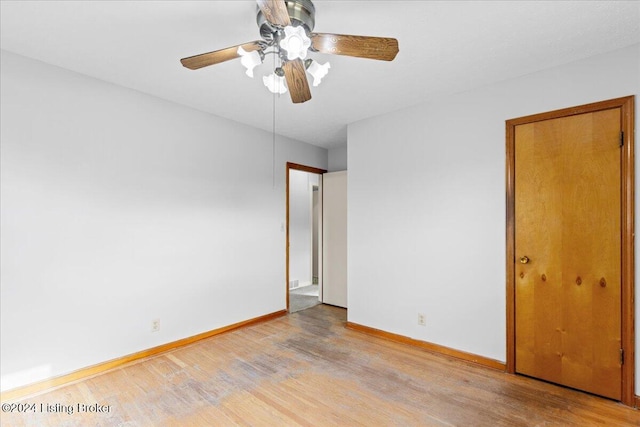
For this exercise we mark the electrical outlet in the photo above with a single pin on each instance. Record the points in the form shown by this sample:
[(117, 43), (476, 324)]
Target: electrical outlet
[(421, 320), (155, 325)]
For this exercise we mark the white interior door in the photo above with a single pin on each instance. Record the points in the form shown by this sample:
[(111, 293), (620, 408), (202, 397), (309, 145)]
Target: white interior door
[(318, 235), (334, 238)]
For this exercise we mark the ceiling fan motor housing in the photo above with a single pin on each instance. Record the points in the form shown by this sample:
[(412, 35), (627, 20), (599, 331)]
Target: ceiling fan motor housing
[(301, 12)]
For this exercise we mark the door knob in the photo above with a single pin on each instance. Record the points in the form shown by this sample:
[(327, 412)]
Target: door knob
[(524, 260)]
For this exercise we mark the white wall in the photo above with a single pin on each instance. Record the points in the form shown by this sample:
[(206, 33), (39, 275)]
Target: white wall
[(426, 220), (119, 208), (338, 158)]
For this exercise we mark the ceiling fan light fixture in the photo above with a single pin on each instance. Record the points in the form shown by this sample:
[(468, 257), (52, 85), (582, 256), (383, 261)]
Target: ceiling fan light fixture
[(318, 71), (249, 59), (274, 83), (295, 42), (287, 32)]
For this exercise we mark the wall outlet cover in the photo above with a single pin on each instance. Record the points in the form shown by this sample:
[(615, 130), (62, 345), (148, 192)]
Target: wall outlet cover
[(422, 320)]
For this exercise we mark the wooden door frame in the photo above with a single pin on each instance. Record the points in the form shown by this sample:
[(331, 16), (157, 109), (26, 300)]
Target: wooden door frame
[(626, 105), (303, 168)]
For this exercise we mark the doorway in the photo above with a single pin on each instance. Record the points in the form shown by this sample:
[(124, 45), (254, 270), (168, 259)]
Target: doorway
[(304, 237), (570, 220)]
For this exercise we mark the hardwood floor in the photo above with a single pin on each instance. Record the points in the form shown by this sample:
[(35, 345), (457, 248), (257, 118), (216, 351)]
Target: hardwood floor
[(307, 369)]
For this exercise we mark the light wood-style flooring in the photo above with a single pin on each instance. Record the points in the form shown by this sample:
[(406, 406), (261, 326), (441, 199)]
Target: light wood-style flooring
[(308, 369)]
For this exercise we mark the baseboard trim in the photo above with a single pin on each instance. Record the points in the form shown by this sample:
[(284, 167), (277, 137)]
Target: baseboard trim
[(90, 371), (637, 405), (430, 347)]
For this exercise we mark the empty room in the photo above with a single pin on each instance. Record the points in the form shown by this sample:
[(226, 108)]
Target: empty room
[(317, 213)]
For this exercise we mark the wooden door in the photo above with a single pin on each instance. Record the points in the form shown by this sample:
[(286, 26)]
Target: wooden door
[(568, 251)]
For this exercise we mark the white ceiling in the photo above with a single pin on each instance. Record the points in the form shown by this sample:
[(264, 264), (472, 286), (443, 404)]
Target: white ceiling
[(445, 47)]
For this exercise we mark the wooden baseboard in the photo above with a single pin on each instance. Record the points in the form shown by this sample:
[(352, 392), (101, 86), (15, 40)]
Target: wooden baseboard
[(430, 347), (637, 405), (45, 385)]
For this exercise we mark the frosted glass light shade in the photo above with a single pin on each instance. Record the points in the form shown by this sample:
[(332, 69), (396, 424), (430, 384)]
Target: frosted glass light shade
[(318, 71), (274, 83), (295, 42), (249, 59)]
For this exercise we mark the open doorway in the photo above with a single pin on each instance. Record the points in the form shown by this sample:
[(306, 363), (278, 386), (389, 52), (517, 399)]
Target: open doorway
[(304, 237)]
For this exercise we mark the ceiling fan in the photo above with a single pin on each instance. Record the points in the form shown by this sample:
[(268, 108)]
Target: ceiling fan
[(286, 29)]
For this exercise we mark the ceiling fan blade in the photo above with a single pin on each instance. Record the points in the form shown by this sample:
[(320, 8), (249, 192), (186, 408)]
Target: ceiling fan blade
[(381, 48), (296, 76), (275, 11), (218, 56)]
